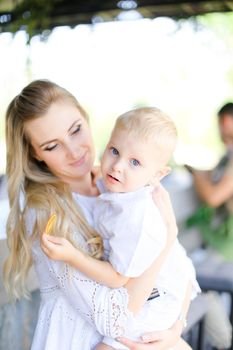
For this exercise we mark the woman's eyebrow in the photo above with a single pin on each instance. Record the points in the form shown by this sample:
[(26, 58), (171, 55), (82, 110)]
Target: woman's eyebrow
[(45, 143)]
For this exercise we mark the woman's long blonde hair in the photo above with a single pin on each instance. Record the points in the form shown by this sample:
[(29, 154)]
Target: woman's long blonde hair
[(32, 186)]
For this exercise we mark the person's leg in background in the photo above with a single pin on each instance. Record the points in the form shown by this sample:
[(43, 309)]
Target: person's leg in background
[(217, 326)]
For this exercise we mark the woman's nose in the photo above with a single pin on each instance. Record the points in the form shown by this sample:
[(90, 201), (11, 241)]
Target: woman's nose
[(72, 151)]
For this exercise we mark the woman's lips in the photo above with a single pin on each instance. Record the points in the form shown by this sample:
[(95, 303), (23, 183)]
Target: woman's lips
[(79, 162)]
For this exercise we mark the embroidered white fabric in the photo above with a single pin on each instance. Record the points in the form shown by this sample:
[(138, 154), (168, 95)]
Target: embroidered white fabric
[(74, 310)]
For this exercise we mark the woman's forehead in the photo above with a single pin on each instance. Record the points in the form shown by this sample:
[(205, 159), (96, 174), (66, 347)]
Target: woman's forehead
[(56, 122)]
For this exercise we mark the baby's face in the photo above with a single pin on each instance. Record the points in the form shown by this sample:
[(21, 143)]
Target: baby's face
[(129, 164)]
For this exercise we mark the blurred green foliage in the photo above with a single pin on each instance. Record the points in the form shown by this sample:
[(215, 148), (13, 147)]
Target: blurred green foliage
[(216, 227)]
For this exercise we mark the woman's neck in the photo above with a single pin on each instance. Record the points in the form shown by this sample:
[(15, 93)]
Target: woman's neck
[(85, 186)]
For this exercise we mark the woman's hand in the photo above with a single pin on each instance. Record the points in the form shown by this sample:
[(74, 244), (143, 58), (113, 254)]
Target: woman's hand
[(162, 200), (161, 340), (96, 174), (57, 248)]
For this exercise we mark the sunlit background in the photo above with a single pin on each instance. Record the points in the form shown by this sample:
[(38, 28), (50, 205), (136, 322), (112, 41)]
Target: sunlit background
[(184, 68)]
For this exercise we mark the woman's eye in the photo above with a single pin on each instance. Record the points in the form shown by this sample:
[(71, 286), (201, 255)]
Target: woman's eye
[(134, 162), (114, 151), (76, 130), (50, 148)]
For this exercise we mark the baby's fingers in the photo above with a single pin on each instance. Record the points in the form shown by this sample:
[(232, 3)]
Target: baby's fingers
[(45, 245), (45, 242), (54, 239), (50, 247)]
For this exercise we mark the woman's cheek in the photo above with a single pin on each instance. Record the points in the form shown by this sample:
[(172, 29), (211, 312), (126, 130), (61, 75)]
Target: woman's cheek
[(53, 160)]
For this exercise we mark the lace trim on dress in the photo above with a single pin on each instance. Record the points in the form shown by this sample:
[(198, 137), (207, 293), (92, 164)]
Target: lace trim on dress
[(104, 308)]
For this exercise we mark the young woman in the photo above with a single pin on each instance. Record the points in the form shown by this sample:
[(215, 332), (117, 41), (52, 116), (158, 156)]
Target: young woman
[(50, 156)]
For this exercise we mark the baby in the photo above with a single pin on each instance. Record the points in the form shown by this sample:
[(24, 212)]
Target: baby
[(133, 232)]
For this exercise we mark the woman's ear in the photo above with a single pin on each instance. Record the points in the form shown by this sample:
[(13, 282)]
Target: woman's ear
[(32, 153), (38, 158)]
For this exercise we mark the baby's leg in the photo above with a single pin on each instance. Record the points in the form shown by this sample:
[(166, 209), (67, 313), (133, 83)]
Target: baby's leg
[(182, 345), (103, 346)]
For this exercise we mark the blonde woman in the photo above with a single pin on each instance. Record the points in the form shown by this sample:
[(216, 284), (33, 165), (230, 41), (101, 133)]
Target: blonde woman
[(50, 156)]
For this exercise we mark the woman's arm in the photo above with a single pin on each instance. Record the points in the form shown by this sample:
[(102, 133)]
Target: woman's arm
[(214, 194)]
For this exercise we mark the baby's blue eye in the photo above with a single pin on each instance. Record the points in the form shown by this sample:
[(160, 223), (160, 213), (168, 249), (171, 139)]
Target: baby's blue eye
[(114, 151), (134, 162)]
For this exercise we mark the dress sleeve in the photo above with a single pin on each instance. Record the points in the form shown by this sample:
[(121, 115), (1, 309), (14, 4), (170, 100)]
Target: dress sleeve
[(103, 307)]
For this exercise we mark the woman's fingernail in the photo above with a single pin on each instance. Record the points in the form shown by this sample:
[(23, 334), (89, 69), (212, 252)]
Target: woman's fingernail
[(144, 337)]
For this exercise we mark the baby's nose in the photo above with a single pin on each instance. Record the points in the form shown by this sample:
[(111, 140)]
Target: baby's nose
[(118, 165)]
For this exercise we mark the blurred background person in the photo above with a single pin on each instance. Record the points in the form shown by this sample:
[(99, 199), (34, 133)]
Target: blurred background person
[(214, 217)]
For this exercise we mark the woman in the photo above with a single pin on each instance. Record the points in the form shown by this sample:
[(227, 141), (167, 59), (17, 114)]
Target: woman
[(50, 158)]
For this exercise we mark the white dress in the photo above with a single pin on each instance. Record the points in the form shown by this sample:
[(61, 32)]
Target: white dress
[(74, 310), (134, 235)]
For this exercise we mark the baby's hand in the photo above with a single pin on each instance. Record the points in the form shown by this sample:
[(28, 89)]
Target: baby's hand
[(57, 248)]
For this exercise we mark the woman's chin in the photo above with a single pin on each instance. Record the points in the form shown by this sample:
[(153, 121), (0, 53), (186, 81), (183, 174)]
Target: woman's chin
[(84, 171)]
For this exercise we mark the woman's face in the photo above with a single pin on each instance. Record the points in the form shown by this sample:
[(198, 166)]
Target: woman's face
[(62, 139)]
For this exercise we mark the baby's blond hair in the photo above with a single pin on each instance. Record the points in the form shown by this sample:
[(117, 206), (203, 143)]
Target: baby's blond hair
[(149, 123)]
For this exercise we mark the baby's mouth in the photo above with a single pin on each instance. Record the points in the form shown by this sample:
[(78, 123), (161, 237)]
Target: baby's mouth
[(114, 178)]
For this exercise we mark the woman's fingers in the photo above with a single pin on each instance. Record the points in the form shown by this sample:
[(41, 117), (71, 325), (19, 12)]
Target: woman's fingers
[(153, 336), (135, 346), (160, 195), (150, 343), (159, 340), (163, 202)]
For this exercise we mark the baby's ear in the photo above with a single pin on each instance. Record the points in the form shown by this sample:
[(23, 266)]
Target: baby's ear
[(160, 175), (163, 172)]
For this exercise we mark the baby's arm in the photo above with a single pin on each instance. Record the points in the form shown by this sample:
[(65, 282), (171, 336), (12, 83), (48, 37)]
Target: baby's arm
[(58, 248)]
